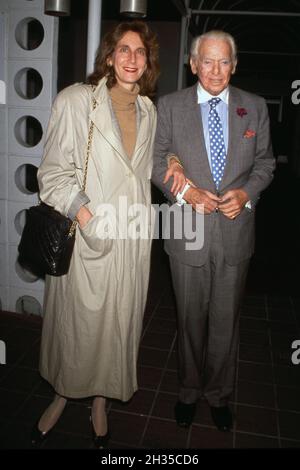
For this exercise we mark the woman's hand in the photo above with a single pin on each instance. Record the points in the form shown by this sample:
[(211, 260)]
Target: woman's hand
[(83, 216), (175, 170)]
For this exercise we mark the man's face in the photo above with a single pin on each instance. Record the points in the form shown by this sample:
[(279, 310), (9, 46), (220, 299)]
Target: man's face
[(213, 65)]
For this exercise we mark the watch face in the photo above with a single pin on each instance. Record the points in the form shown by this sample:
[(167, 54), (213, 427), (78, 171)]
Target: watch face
[(248, 205)]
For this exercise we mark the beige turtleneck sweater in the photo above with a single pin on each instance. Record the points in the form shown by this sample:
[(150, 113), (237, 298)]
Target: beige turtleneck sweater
[(123, 103)]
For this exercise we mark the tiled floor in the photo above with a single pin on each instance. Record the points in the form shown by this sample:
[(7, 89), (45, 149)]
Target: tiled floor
[(266, 403)]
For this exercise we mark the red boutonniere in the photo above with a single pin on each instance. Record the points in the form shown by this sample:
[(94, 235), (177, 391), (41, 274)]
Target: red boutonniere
[(241, 112), (249, 133)]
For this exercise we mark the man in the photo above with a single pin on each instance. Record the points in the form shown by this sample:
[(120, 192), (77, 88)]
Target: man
[(220, 134)]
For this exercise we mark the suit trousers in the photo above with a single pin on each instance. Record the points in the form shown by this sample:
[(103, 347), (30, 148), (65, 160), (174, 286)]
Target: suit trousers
[(208, 301)]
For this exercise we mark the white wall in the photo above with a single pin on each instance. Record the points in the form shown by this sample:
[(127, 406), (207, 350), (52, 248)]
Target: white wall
[(28, 75)]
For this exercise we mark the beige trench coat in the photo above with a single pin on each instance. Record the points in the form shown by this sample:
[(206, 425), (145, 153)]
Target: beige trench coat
[(93, 315)]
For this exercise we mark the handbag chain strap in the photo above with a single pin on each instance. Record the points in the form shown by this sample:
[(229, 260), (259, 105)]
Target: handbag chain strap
[(88, 152)]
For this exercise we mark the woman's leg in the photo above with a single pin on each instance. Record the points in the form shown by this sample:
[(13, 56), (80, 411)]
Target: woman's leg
[(99, 418), (51, 415)]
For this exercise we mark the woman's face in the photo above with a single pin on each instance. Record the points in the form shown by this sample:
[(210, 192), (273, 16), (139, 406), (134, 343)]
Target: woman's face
[(129, 60)]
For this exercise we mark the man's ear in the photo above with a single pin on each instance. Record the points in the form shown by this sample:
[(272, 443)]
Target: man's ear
[(193, 66), (233, 69)]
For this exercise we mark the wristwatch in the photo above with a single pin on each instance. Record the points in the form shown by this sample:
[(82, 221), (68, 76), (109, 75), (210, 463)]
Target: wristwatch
[(248, 205), (179, 196)]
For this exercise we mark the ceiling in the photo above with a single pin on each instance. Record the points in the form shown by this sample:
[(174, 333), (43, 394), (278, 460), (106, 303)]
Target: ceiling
[(255, 33), (266, 44), (157, 10)]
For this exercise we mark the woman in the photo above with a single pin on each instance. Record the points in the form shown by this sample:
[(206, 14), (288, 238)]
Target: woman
[(93, 315)]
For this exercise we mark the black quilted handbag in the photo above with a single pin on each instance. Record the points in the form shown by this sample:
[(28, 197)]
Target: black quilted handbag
[(48, 237), (47, 241)]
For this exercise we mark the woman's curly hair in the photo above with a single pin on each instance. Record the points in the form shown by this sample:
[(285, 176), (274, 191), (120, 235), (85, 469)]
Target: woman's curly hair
[(147, 82)]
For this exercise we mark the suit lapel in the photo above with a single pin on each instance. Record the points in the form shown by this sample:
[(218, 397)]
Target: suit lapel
[(194, 129), (236, 128)]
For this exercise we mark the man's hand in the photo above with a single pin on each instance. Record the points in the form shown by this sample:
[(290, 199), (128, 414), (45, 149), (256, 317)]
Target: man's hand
[(196, 196), (176, 171), (232, 203), (83, 216)]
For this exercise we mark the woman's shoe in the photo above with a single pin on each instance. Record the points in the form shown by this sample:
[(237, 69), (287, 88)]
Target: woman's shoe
[(100, 442), (37, 436)]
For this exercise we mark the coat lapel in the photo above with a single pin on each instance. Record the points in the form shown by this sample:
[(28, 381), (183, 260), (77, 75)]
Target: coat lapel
[(102, 117), (143, 132), (103, 121)]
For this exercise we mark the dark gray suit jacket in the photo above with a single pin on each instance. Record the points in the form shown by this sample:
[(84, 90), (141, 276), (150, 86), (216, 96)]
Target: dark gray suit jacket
[(249, 165)]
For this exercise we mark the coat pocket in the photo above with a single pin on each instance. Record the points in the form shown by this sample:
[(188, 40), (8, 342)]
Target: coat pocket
[(95, 241)]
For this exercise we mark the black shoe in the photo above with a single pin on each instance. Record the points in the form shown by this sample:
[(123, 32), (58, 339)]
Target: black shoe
[(100, 442), (184, 413), (37, 436), (222, 417)]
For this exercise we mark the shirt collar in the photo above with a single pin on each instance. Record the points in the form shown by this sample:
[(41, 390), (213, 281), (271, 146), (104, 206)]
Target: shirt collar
[(204, 96)]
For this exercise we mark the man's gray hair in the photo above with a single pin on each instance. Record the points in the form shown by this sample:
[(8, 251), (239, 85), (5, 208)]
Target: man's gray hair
[(214, 34)]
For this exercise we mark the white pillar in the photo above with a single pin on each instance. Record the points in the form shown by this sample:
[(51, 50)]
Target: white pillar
[(181, 60), (93, 34)]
